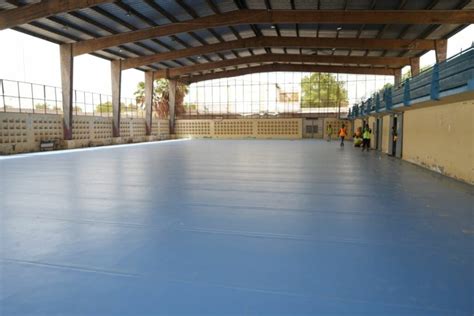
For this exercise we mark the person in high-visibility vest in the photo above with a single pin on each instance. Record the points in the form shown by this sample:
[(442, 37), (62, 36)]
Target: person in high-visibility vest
[(342, 134), (366, 135), (358, 137)]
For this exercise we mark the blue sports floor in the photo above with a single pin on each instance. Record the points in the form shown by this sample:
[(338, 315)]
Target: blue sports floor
[(244, 227)]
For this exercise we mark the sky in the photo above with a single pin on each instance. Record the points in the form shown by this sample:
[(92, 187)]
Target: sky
[(26, 58)]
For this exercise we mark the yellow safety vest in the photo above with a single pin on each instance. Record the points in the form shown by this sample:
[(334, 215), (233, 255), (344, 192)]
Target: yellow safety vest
[(366, 134)]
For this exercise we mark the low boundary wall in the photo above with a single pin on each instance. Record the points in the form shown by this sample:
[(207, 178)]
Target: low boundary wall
[(23, 132), (284, 128)]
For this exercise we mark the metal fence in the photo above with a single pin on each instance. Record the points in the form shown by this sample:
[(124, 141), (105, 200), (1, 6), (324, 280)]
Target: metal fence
[(26, 97), (279, 94)]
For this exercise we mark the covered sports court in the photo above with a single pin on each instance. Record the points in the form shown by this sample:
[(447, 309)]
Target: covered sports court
[(232, 227), (221, 187)]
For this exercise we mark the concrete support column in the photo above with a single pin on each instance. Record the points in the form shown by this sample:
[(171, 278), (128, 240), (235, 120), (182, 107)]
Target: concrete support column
[(149, 77), (415, 66), (441, 49), (398, 77), (172, 103), (67, 67), (116, 71)]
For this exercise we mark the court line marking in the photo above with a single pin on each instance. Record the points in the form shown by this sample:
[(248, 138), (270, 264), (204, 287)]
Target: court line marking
[(70, 267), (76, 150)]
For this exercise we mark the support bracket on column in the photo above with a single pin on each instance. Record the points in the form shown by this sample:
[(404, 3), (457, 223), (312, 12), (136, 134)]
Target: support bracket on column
[(441, 50), (398, 77), (415, 66)]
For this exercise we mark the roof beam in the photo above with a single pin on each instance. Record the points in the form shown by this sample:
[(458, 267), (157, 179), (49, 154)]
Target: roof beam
[(43, 9), (289, 67), (273, 41), (281, 16), (390, 62)]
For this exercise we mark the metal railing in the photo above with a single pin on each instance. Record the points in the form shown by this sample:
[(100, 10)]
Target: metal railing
[(262, 110), (26, 97), (455, 75)]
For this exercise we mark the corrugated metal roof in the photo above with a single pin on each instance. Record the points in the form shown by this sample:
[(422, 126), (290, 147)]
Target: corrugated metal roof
[(128, 15)]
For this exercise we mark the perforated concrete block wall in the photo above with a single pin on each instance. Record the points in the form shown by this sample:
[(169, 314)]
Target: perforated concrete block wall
[(280, 128), (138, 127), (163, 131), (125, 128), (47, 127), (336, 126), (14, 135), (234, 128), (82, 130), (160, 129), (103, 130), (193, 128), (240, 128), (22, 132)]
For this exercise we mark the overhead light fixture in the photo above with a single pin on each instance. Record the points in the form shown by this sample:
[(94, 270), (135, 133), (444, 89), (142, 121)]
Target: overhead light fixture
[(272, 26), (333, 49), (339, 28)]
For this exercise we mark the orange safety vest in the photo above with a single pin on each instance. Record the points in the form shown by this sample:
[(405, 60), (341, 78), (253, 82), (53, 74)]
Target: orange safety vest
[(342, 132)]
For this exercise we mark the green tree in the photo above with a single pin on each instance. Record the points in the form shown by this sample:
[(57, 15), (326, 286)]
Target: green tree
[(41, 107), (105, 107), (161, 97), (407, 74), (190, 106), (381, 90), (322, 90)]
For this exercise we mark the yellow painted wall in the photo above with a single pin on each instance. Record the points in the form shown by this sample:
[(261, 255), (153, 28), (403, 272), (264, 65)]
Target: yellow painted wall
[(441, 138), (357, 124), (372, 126), (385, 133)]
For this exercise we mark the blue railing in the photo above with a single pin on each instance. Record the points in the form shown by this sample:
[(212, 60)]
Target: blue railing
[(455, 75)]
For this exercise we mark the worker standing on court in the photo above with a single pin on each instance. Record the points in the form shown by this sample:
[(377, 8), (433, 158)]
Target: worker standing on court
[(329, 132), (342, 134), (366, 135)]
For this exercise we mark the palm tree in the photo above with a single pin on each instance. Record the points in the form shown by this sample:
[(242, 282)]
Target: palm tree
[(161, 97)]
